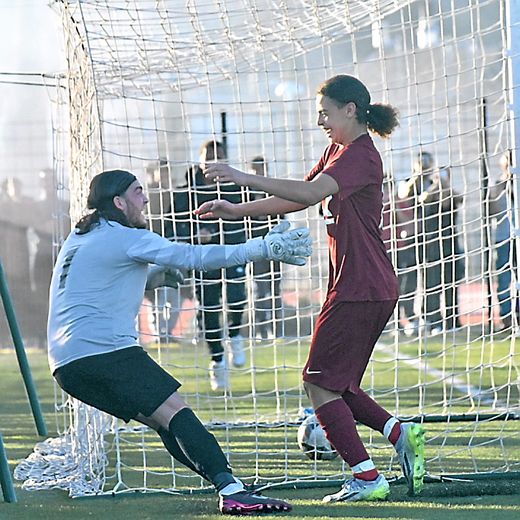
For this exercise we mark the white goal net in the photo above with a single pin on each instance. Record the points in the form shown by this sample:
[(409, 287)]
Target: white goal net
[(150, 81)]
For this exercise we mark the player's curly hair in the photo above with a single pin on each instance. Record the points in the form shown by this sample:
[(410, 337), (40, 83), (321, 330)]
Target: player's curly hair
[(342, 89), (103, 188)]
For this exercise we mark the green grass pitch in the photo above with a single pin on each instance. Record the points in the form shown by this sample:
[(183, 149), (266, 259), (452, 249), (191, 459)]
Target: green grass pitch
[(478, 499)]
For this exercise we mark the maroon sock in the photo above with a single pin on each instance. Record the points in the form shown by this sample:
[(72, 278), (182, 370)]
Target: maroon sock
[(339, 426), (395, 433), (366, 410), (369, 475)]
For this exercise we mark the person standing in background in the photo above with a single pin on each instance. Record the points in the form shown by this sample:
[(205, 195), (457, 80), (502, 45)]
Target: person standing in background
[(433, 204), (213, 286), (166, 301), (501, 209), (398, 214), (444, 264)]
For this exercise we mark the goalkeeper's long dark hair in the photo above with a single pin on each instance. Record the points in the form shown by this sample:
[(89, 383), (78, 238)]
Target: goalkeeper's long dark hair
[(342, 89), (103, 188)]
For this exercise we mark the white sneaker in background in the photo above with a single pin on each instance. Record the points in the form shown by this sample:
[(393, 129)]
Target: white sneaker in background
[(218, 375), (410, 329), (237, 353), (436, 331)]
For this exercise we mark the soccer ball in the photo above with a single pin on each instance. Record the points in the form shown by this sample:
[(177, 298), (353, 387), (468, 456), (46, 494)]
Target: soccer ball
[(312, 440)]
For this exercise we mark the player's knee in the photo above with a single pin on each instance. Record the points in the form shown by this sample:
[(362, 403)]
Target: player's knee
[(168, 409), (319, 395), (310, 389)]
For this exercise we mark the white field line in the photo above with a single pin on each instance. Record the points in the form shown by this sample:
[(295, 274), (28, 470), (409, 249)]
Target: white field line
[(457, 382)]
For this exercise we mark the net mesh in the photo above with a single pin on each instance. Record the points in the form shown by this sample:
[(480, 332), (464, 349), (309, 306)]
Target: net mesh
[(150, 81)]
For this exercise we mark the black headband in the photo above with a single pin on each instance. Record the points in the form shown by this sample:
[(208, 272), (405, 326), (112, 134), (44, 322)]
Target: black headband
[(105, 186)]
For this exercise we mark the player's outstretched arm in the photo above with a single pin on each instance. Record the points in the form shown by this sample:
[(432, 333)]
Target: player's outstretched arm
[(219, 208), (229, 211), (220, 172), (300, 192)]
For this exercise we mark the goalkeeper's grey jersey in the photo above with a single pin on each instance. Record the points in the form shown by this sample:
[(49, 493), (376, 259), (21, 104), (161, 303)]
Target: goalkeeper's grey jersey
[(98, 284)]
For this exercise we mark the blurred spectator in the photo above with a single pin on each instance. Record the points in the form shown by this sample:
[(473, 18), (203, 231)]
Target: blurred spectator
[(12, 195), (433, 205), (211, 286), (25, 234), (420, 179), (166, 301), (443, 254), (47, 210), (160, 192), (408, 194), (403, 222), (501, 208)]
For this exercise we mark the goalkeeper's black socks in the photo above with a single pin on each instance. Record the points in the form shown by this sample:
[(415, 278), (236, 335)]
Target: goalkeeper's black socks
[(171, 444), (190, 443)]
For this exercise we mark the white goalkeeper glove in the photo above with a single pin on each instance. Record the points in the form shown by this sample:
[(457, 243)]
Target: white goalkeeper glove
[(282, 245), (160, 276)]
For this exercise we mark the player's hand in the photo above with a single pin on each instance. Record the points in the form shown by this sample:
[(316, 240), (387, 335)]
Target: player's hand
[(218, 209), (160, 276), (218, 172), (291, 246)]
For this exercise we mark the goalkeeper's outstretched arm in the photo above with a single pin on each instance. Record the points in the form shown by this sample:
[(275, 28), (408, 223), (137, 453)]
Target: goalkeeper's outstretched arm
[(292, 246)]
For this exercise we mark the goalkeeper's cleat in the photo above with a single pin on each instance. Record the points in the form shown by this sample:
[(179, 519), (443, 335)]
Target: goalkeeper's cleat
[(355, 490), (218, 375), (237, 354), (410, 450), (246, 502)]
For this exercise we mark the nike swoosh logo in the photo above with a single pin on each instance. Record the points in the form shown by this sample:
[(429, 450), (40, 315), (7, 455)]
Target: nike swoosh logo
[(307, 371)]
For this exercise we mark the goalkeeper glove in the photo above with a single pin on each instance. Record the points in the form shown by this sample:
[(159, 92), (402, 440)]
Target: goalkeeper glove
[(288, 246), (160, 276)]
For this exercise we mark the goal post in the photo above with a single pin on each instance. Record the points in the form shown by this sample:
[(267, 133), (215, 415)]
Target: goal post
[(513, 90), (149, 82)]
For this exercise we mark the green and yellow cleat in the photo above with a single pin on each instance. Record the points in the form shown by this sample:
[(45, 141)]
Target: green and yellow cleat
[(355, 490), (410, 450)]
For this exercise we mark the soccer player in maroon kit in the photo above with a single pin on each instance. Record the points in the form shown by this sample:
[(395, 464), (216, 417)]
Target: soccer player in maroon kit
[(362, 289)]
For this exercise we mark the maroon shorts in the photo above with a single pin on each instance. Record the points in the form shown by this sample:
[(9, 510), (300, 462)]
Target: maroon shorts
[(343, 341)]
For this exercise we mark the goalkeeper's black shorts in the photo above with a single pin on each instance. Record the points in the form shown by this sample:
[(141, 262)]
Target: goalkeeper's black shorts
[(123, 383)]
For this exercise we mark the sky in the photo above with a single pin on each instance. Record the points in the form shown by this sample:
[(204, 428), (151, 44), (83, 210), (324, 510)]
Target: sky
[(30, 42)]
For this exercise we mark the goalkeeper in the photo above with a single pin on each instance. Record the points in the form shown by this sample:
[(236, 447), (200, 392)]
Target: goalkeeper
[(96, 290), (362, 290)]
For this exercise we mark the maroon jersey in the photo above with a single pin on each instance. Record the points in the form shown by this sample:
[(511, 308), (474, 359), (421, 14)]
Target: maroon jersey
[(359, 267)]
